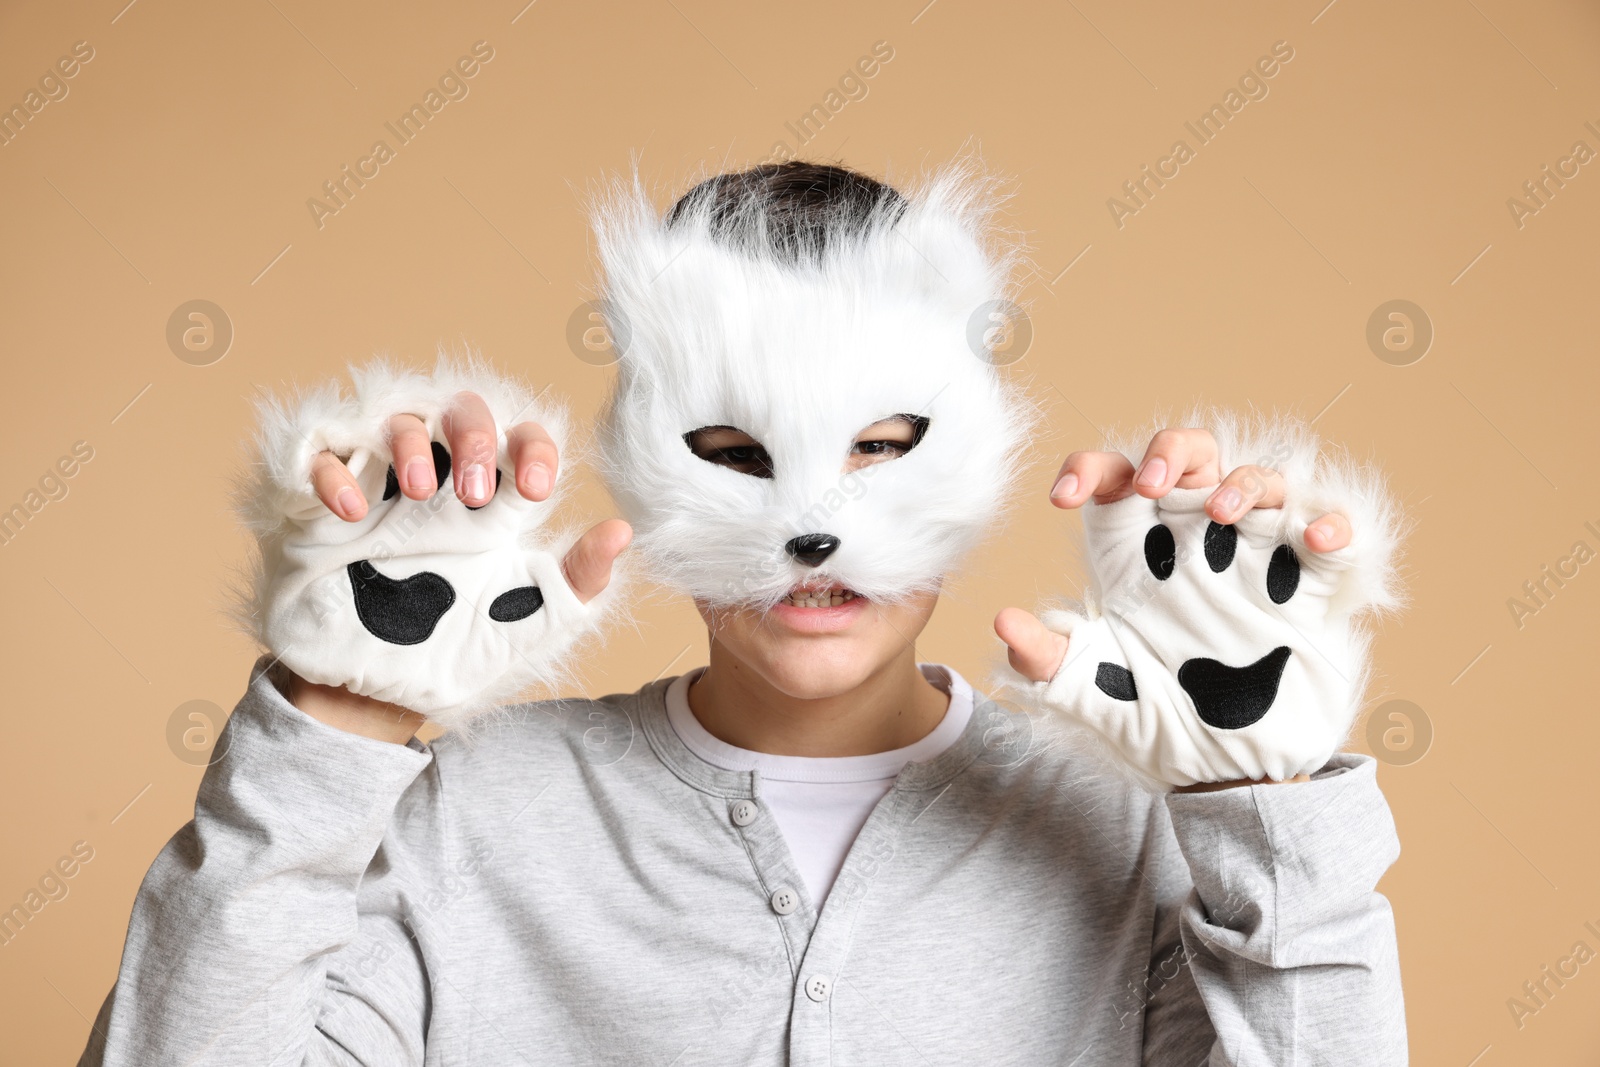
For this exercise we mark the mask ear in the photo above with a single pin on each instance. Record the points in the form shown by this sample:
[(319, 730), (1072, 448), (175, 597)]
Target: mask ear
[(634, 251), (622, 217), (946, 238)]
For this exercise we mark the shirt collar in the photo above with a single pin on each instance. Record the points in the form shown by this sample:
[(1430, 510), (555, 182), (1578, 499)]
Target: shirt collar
[(873, 767), (986, 722)]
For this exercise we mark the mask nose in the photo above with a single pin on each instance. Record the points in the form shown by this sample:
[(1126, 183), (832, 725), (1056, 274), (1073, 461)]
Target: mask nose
[(812, 549)]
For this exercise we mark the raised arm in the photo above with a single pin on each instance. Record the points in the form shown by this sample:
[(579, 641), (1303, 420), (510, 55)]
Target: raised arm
[(272, 929), (1220, 655), (235, 925), (1284, 951)]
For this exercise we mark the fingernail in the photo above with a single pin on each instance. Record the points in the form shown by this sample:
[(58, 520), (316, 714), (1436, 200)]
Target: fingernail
[(1065, 486), (347, 503), (537, 481), (1154, 472), (419, 474), (1228, 502), (474, 483)]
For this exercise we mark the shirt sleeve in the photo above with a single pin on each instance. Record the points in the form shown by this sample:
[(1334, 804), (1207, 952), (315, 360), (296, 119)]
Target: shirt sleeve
[(247, 944), (1283, 951)]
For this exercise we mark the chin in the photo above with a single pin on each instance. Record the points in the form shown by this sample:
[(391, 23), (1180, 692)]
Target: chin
[(809, 671)]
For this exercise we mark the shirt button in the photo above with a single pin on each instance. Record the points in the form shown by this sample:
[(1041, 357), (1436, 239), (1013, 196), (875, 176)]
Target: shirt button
[(785, 900), (817, 988), (743, 813)]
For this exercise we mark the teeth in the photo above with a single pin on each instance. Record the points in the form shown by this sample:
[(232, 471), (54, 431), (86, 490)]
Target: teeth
[(820, 598)]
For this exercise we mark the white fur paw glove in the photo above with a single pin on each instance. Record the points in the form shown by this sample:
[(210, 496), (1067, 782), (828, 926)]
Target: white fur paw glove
[(432, 605), (1211, 653)]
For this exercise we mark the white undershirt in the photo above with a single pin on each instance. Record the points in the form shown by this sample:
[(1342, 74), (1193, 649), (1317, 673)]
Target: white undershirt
[(821, 802)]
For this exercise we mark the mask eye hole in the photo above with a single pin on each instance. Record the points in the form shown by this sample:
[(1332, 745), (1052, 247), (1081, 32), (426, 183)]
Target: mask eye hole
[(1160, 552), (728, 446), (887, 439)]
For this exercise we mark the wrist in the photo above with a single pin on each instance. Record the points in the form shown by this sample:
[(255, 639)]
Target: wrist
[(1210, 787), (336, 706)]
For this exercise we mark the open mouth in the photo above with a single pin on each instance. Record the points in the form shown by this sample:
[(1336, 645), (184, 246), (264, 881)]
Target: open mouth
[(803, 596)]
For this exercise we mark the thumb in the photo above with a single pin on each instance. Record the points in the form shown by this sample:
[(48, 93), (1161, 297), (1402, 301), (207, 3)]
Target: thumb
[(1035, 652), (587, 565)]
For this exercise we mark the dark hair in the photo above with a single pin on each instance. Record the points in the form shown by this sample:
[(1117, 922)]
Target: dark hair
[(794, 211)]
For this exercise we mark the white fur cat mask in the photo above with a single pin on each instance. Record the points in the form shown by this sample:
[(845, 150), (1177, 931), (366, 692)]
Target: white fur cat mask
[(801, 336)]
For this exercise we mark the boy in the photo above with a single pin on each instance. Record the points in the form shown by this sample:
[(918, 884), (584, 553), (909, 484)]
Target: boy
[(815, 849)]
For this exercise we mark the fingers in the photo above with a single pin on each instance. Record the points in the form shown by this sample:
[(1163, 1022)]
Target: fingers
[(1177, 458), (1034, 651), (336, 487), (1329, 534), (587, 565), (1105, 476), (1251, 486), (469, 427), (474, 447), (413, 457), (1244, 488), (534, 457)]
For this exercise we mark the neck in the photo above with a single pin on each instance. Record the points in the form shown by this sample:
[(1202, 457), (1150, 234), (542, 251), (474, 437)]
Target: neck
[(893, 707)]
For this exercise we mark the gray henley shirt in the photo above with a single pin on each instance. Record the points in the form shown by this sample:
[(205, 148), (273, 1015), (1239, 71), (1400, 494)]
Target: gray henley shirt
[(575, 886)]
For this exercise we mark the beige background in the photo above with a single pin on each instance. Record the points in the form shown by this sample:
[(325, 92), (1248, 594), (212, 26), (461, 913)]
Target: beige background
[(1379, 167)]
